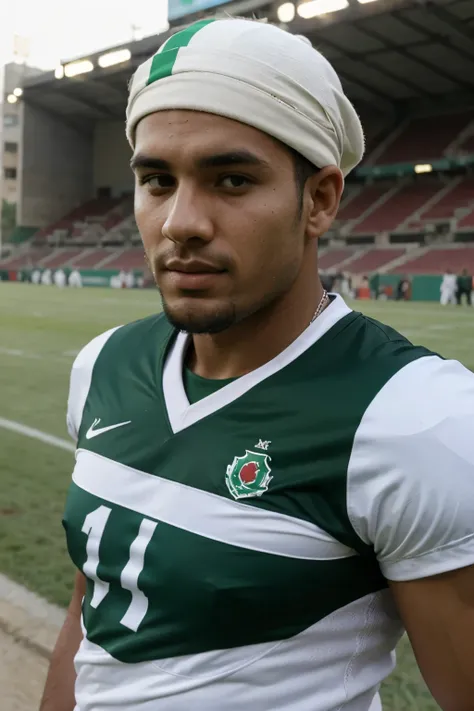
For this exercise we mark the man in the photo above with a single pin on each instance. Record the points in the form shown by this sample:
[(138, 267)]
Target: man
[(75, 279), (464, 287), (448, 288), (46, 277), (269, 487), (60, 278), (36, 276), (403, 289)]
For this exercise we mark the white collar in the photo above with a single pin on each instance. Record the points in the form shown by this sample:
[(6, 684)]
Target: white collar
[(182, 414)]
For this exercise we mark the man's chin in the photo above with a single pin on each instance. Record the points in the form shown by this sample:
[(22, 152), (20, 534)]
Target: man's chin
[(200, 320)]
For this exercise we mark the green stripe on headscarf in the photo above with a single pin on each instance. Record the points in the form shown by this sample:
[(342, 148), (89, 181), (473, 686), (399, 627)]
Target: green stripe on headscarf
[(163, 62)]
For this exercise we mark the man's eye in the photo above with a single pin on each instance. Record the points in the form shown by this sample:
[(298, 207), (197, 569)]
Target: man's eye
[(159, 182), (235, 181)]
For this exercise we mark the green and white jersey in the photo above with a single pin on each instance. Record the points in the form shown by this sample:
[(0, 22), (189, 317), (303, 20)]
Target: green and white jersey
[(237, 549)]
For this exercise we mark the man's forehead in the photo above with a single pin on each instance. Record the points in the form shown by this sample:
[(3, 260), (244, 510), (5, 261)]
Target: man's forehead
[(200, 130)]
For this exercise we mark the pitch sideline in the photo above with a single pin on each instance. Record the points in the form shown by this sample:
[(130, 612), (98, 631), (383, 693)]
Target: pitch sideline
[(36, 434), (27, 617)]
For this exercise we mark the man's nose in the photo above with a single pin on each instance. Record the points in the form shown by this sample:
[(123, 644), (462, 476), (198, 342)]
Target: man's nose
[(188, 217)]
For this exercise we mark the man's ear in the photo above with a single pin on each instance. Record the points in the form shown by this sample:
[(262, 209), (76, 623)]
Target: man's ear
[(324, 190)]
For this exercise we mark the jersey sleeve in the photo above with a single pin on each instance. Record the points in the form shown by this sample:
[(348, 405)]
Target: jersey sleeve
[(410, 490), (80, 380)]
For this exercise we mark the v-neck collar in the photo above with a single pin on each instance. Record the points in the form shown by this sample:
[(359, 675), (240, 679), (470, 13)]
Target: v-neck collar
[(182, 414)]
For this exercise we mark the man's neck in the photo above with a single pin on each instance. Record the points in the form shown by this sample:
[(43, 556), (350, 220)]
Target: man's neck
[(255, 340)]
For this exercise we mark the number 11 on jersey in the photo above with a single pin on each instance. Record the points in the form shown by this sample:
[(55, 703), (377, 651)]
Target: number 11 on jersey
[(94, 527)]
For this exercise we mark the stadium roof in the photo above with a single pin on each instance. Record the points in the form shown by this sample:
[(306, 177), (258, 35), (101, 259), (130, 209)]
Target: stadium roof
[(405, 55)]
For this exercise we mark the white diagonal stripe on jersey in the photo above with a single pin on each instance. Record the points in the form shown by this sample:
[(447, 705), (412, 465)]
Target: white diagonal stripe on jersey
[(203, 513)]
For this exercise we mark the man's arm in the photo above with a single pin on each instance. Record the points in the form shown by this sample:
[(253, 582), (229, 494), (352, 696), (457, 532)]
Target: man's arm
[(59, 690), (438, 614), (411, 496)]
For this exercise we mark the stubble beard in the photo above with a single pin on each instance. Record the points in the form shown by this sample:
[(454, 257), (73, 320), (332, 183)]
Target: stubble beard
[(195, 322)]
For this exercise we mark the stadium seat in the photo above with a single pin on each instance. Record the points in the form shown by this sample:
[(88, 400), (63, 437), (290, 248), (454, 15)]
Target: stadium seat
[(373, 260), (359, 204), (130, 259), (436, 261), (398, 208), (91, 259), (461, 195), (467, 221), (422, 141), (333, 257)]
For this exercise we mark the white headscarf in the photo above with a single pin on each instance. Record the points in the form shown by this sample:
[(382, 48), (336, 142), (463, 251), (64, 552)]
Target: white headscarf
[(259, 75)]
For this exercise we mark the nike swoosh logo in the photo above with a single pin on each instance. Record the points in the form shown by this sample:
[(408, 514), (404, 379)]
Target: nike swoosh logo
[(91, 432)]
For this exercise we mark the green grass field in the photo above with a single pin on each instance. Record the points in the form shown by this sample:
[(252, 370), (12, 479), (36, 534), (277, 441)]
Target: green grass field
[(41, 329)]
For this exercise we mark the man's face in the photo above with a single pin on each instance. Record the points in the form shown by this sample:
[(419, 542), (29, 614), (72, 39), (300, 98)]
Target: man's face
[(217, 208)]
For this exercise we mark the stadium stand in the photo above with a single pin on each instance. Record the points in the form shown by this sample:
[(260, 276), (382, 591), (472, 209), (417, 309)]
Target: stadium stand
[(398, 208), (460, 195), (467, 221), (393, 206), (415, 143), (374, 260), (362, 200), (59, 258), (26, 258), (88, 223), (333, 257), (128, 260), (92, 258), (436, 261)]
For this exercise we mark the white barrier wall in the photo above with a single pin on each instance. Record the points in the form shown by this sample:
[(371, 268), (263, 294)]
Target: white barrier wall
[(112, 158), (56, 168)]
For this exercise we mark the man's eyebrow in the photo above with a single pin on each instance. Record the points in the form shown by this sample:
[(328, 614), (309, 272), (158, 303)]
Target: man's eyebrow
[(216, 160), (141, 160), (222, 160)]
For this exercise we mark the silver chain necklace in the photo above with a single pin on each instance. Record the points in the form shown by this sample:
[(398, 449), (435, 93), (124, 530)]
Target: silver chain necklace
[(321, 305)]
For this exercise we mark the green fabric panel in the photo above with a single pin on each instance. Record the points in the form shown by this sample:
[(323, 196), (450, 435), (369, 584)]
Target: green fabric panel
[(198, 388), (163, 62)]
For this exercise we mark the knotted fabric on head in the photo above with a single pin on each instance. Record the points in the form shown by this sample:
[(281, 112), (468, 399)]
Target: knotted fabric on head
[(259, 75)]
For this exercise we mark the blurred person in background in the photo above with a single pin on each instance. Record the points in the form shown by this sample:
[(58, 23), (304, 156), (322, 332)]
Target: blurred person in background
[(464, 287), (448, 288)]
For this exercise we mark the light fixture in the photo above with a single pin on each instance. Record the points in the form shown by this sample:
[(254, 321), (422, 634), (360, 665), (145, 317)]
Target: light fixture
[(313, 8), (365, 2), (73, 69), (423, 168), (59, 72), (117, 57), (18, 92), (12, 99), (286, 12)]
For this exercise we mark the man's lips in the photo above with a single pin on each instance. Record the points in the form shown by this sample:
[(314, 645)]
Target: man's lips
[(193, 267), (195, 276)]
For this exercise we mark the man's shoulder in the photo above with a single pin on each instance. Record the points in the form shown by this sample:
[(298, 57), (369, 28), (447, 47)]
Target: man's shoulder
[(371, 350), (124, 338), (410, 478), (420, 385), (377, 334), (109, 355), (422, 393)]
